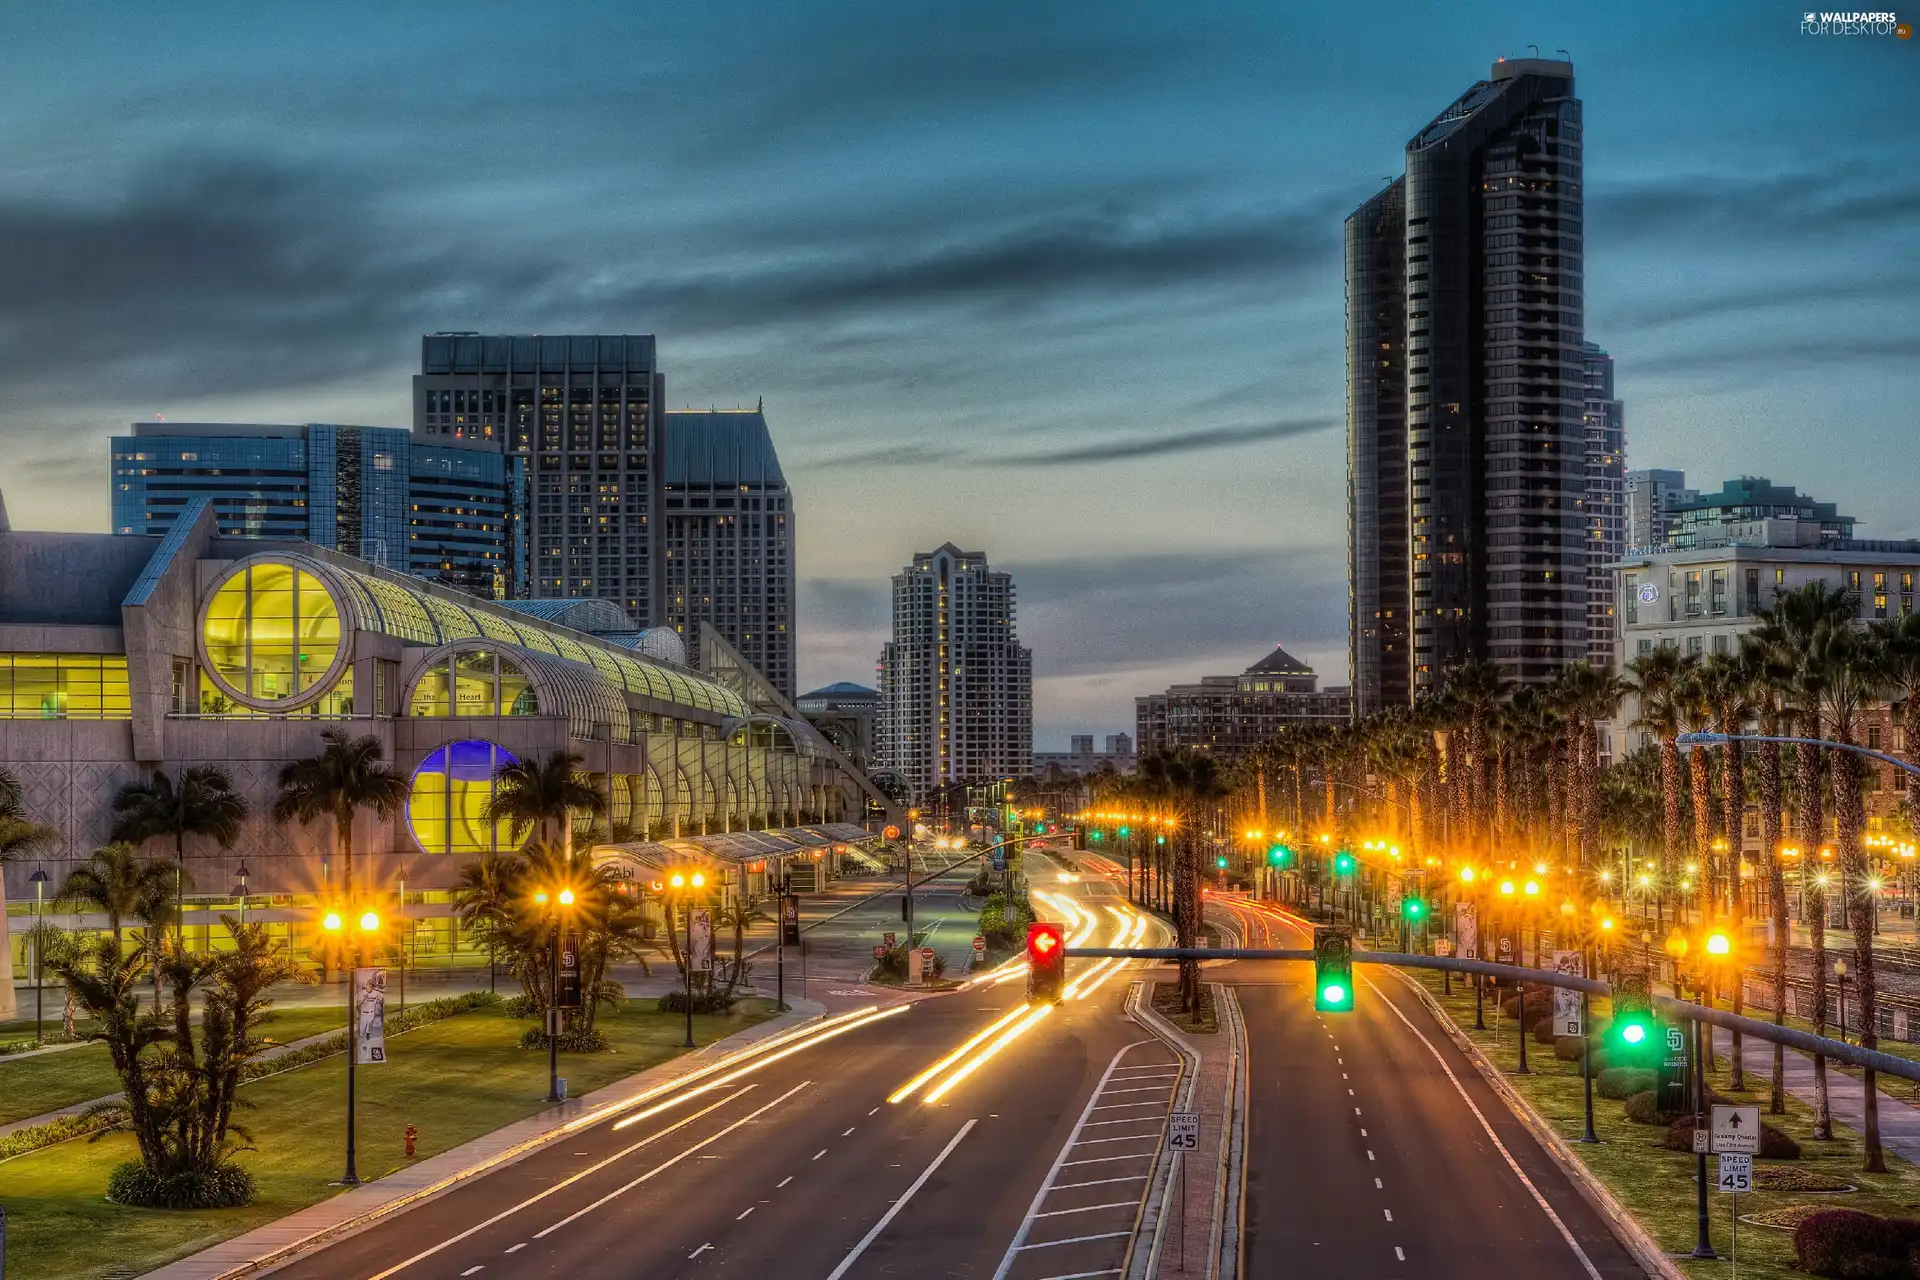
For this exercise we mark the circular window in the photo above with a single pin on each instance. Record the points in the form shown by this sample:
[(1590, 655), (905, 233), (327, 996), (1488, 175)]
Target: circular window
[(271, 635), (447, 800)]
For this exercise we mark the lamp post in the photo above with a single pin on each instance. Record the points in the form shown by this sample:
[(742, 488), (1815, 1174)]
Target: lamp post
[(1840, 972), (680, 883), (368, 925), (39, 882), (240, 889), (552, 906)]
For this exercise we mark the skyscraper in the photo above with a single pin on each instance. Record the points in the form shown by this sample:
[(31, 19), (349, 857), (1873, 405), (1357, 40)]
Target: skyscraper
[(727, 524), (1604, 507), (1653, 500), (584, 413), (956, 685), (1488, 294), (437, 510)]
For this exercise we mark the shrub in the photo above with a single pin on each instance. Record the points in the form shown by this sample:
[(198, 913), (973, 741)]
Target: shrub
[(1774, 1145), (223, 1186), (1845, 1242), (574, 1039), (1621, 1083), (520, 1006), (703, 1002), (103, 1115), (1642, 1108), (1569, 1048)]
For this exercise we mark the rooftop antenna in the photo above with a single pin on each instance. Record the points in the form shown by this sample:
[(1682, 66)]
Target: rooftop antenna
[(1535, 48)]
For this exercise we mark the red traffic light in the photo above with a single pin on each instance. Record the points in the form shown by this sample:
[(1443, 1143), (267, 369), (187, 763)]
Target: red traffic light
[(1046, 962)]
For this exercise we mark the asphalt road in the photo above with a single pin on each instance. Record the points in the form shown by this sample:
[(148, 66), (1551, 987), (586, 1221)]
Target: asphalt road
[(803, 1167), (1375, 1148)]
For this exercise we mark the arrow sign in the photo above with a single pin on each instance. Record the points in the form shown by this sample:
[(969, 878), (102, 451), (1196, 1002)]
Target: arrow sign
[(1736, 1131)]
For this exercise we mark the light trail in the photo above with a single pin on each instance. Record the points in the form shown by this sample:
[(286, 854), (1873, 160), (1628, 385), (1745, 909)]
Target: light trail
[(855, 1021), (1007, 1037), (912, 1086)]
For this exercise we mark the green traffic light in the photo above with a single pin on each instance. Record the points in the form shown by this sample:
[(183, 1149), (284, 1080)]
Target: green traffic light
[(1221, 863), (1633, 1033), (1413, 908), (1343, 864), (1126, 831), (1278, 855), (1333, 994)]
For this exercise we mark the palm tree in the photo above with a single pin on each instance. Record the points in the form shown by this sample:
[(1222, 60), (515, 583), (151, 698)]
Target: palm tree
[(1770, 677), (121, 885), (347, 775), (1898, 643), (1188, 783), (1730, 678), (544, 794), (1588, 695), (1657, 679), (202, 803), (1477, 690), (483, 900), (18, 837), (1697, 694)]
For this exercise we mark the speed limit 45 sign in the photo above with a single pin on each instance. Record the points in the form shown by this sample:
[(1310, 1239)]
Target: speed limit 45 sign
[(1183, 1131)]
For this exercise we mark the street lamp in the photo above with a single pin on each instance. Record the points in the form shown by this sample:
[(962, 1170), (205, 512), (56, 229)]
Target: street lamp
[(552, 907), (369, 924), (679, 884), (1840, 972), (240, 890), (39, 882)]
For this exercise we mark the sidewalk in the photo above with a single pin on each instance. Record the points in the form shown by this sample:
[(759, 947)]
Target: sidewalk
[(278, 1241), (1846, 1096)]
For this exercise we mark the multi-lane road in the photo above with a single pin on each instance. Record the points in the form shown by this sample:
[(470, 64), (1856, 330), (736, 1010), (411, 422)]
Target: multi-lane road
[(1025, 1153), (965, 1135)]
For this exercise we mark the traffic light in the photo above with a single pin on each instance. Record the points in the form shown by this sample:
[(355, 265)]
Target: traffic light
[(1343, 864), (1095, 835), (1333, 969), (1635, 1033), (1221, 862), (1279, 856), (1125, 832), (1413, 909), (1046, 962)]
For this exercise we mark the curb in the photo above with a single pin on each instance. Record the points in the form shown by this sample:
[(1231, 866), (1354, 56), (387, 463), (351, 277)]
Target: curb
[(1229, 1247), (1153, 1216), (1626, 1228), (771, 1035)]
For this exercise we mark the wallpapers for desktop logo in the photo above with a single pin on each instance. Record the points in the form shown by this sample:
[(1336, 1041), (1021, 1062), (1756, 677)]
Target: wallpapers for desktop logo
[(1854, 24)]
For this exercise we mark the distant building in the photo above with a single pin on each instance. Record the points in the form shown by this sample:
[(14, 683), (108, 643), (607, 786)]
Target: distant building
[(1653, 499), (1082, 761), (1704, 520), (727, 522), (435, 509), (582, 415), (1604, 506), (844, 713), (1231, 715), (956, 685)]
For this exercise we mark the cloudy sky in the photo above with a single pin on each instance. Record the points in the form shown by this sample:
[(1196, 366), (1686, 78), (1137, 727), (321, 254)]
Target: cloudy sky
[(1056, 281)]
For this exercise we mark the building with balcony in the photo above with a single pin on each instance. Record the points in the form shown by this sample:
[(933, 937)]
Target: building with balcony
[(1232, 715)]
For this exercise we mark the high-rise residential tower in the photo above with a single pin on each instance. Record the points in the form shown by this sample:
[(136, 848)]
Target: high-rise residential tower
[(1654, 498), (956, 685), (1489, 298), (435, 509), (727, 529), (584, 413), (1604, 506)]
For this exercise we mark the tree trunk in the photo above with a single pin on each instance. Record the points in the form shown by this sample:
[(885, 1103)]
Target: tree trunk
[(1734, 801), (1859, 893), (1670, 823), (1776, 905), (1807, 765), (1701, 794), (1186, 901)]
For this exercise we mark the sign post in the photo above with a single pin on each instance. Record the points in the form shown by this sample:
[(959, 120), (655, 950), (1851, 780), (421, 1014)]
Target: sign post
[(1736, 1179), (1183, 1135)]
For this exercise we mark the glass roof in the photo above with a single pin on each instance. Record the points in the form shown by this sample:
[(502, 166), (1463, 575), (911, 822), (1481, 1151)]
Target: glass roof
[(415, 614)]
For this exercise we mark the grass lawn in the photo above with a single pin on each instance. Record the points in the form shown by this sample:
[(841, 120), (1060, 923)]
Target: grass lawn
[(455, 1079), (37, 1085), (1657, 1185)]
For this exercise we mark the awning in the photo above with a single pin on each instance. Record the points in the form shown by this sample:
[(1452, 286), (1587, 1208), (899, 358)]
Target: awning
[(855, 855), (727, 848), (846, 833)]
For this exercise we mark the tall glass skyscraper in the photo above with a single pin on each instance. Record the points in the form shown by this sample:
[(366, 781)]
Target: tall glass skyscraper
[(1604, 505), (435, 510), (1488, 295), (582, 413)]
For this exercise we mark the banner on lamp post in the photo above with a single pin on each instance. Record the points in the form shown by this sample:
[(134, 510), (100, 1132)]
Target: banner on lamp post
[(1466, 930), (700, 940), (1568, 1019), (369, 1015)]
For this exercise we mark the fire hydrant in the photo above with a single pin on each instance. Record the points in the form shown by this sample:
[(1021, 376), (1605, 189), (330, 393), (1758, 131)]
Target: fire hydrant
[(412, 1133)]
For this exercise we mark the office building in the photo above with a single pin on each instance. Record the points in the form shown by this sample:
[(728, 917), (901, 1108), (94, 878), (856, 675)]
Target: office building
[(435, 509), (1704, 520), (1603, 506), (1233, 715), (1082, 761), (727, 529), (956, 685), (1469, 339), (845, 714), (1653, 499), (583, 414)]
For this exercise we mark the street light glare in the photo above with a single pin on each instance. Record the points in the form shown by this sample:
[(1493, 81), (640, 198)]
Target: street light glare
[(566, 897), (331, 922), (369, 922)]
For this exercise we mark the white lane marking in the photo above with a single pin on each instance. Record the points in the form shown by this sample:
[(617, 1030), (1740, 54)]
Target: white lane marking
[(1138, 1155), (874, 1112), (1122, 1106), (741, 1216), (822, 1151), (1585, 1262), (470, 1270), (1101, 1124), (783, 1182), (702, 1249), (1048, 1244), (1389, 1214), (1150, 1089), (1086, 1208), (846, 1263), (846, 1134), (1085, 1275), (1399, 1253), (1363, 1133), (564, 1183), (517, 1248), (1100, 1182), (662, 1167), (1369, 1155), (1074, 1139), (1379, 1185)]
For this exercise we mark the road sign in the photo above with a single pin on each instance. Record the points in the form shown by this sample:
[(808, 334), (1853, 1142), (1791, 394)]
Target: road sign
[(1736, 1174), (926, 956), (979, 943), (887, 938), (1736, 1131), (1183, 1131), (999, 856), (879, 953), (1700, 1142), (1443, 946)]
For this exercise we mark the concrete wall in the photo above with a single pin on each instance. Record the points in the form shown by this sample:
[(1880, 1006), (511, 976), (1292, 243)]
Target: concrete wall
[(68, 577)]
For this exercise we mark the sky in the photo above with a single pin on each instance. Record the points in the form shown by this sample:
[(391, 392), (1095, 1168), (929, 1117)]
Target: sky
[(1057, 282)]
